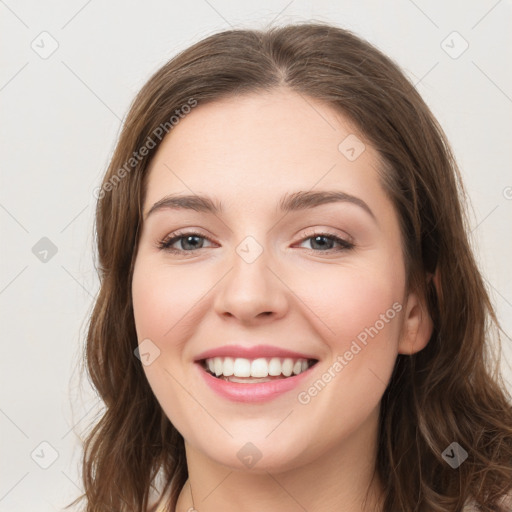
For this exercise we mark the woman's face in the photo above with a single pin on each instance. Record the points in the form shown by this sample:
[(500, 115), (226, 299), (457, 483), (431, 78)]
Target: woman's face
[(322, 278)]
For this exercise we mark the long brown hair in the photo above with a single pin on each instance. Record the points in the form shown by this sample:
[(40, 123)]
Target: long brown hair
[(451, 391)]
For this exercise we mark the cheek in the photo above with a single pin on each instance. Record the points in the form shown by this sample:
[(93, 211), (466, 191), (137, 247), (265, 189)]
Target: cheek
[(359, 314), (349, 300), (163, 306), (366, 310), (163, 300)]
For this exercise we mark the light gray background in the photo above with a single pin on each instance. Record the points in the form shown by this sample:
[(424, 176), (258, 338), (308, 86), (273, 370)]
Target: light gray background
[(60, 119)]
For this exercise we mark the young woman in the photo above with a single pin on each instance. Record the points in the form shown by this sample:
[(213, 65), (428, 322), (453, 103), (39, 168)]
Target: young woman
[(290, 316)]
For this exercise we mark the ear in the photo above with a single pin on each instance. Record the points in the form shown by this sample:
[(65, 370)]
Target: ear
[(417, 325)]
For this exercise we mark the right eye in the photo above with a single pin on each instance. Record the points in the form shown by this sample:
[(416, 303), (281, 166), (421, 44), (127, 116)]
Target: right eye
[(190, 242)]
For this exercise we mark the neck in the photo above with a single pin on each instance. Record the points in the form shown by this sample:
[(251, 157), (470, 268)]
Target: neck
[(342, 479)]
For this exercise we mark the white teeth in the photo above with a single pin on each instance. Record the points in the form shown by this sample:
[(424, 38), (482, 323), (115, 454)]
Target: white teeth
[(242, 367), (228, 367), (218, 366), (256, 368), (287, 367), (274, 367), (259, 368)]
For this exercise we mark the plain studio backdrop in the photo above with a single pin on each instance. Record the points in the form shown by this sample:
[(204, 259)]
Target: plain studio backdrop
[(68, 74)]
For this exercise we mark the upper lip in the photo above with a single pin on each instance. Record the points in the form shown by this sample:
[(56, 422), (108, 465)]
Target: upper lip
[(253, 352)]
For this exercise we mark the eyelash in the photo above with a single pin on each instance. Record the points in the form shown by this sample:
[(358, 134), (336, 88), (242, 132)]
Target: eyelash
[(166, 243)]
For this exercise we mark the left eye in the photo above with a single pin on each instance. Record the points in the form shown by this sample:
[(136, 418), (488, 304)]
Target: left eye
[(318, 240)]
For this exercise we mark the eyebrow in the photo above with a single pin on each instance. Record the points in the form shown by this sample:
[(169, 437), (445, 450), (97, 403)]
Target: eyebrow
[(296, 201)]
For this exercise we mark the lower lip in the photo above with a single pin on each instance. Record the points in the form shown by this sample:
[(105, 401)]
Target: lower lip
[(264, 391)]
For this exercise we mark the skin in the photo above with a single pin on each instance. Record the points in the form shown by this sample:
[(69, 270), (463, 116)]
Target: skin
[(246, 152)]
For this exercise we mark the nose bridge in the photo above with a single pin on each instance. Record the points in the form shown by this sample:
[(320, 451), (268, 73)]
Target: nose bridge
[(251, 288)]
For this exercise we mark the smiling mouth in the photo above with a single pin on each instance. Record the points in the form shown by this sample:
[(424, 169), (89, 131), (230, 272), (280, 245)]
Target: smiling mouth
[(258, 370)]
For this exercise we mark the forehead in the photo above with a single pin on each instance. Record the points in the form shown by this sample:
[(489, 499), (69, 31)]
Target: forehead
[(260, 144)]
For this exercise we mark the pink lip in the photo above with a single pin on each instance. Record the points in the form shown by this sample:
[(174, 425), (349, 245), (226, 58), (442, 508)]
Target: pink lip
[(251, 353), (239, 392)]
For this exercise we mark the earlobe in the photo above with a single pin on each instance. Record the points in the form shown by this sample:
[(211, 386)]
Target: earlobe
[(417, 326)]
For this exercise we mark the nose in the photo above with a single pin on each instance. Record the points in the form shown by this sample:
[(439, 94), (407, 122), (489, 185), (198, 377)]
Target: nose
[(251, 292)]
